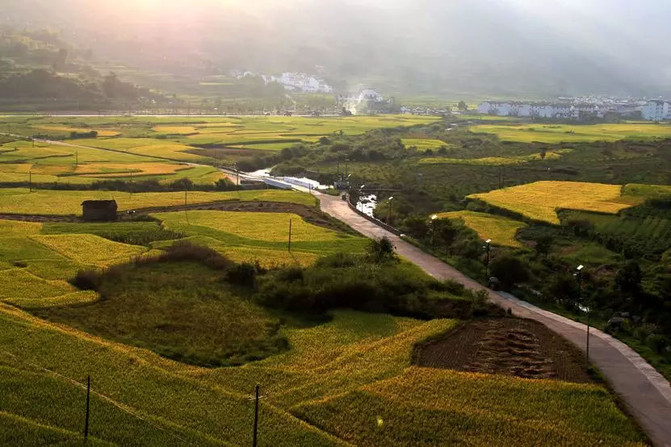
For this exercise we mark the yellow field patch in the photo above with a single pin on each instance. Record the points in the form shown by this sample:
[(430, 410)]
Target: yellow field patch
[(21, 201), (541, 200), (124, 169), (499, 229), (175, 130), (556, 133), (269, 227), (89, 249)]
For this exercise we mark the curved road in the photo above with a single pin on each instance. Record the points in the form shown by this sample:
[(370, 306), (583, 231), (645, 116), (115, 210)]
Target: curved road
[(645, 392)]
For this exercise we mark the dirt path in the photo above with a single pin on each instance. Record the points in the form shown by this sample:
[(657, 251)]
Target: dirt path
[(645, 392)]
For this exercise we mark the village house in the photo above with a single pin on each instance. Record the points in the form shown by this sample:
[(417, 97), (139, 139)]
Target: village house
[(99, 210)]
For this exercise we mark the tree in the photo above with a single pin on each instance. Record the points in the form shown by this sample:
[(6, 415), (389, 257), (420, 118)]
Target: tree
[(416, 226), (509, 270), (381, 250), (544, 245), (462, 106), (628, 279), (444, 232)]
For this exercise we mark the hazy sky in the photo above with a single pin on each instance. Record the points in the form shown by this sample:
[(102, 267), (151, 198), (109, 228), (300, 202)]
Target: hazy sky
[(571, 40)]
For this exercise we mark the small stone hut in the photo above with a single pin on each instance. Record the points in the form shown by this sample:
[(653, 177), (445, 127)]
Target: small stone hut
[(99, 210)]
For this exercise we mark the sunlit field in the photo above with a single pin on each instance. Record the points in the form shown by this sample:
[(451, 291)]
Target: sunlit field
[(263, 237), (53, 202), (350, 379), (557, 133), (500, 230), (541, 200), (158, 148)]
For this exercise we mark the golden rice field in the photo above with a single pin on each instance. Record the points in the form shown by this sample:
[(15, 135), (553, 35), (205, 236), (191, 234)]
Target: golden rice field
[(258, 236), (541, 200), (501, 230), (558, 133), (53, 202), (346, 382)]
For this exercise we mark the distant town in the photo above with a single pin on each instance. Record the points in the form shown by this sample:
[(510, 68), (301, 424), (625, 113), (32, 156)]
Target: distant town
[(581, 108)]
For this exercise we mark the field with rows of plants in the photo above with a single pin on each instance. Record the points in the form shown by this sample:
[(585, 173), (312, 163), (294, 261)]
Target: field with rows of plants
[(349, 380)]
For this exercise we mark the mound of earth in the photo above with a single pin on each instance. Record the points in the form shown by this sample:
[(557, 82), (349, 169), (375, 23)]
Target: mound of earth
[(510, 346)]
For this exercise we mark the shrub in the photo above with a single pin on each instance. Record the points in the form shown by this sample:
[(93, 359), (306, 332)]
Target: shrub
[(88, 279), (242, 274), (509, 270)]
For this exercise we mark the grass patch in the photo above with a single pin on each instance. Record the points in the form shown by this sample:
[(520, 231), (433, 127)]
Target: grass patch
[(179, 310), (500, 229), (562, 133)]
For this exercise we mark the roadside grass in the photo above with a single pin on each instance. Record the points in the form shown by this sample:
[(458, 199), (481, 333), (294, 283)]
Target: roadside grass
[(53, 202), (541, 200), (558, 133), (501, 230)]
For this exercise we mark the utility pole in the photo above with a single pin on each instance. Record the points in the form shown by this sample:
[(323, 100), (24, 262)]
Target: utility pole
[(586, 309), (256, 417), (289, 234), (488, 249), (88, 407), (389, 211)]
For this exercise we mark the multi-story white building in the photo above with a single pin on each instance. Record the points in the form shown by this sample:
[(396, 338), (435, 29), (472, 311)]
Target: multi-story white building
[(656, 110), (300, 82)]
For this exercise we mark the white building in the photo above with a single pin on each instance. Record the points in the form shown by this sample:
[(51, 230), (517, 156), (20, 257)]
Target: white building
[(300, 82), (656, 110), (560, 110)]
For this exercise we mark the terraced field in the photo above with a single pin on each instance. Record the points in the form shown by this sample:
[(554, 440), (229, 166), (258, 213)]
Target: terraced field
[(541, 200), (124, 143), (251, 236), (558, 133), (500, 230), (350, 379), (53, 202)]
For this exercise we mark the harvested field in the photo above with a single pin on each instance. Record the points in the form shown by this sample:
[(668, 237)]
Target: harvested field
[(508, 346)]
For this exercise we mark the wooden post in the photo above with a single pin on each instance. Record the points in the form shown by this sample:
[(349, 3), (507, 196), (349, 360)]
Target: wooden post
[(30, 180), (289, 234), (88, 401), (256, 417)]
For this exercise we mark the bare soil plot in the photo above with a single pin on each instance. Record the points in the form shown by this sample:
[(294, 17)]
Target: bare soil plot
[(508, 346)]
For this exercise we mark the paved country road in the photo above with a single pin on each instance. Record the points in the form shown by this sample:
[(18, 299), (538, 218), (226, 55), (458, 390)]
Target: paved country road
[(645, 392)]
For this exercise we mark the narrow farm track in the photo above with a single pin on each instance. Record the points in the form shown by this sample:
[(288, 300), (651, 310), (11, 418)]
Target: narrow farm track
[(645, 392)]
